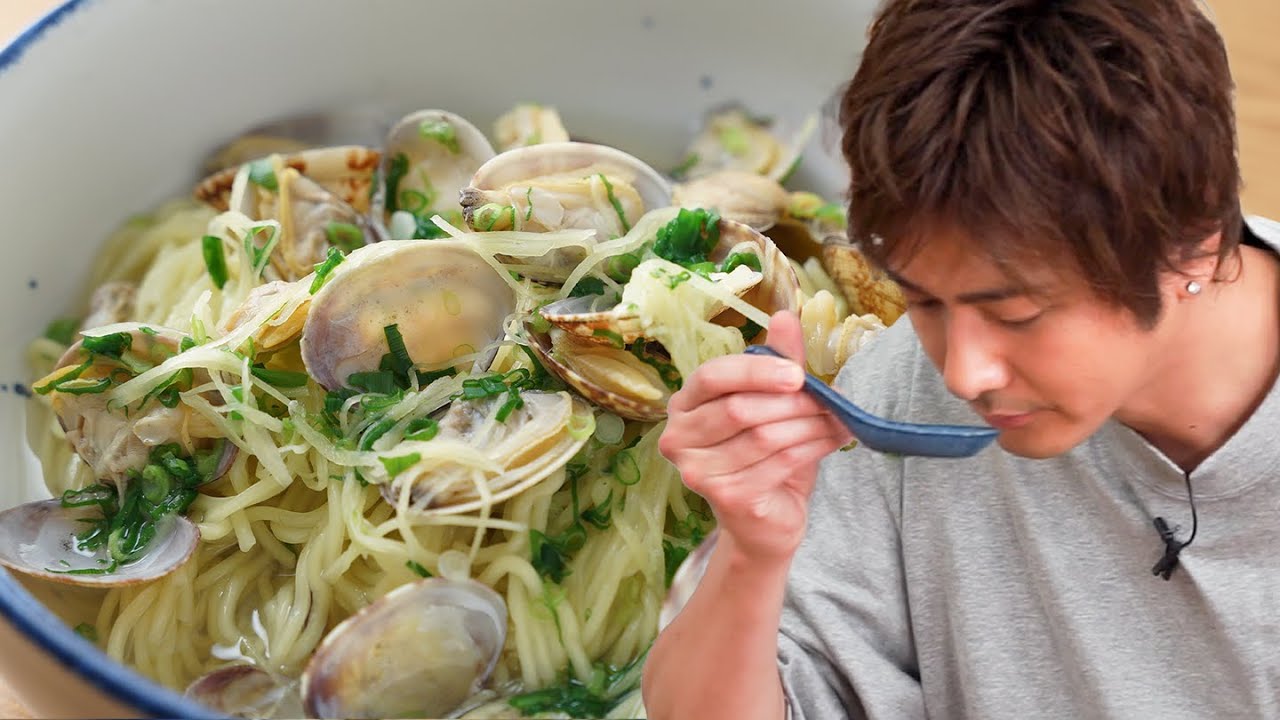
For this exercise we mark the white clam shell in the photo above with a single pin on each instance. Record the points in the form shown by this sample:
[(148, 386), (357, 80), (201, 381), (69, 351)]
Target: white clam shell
[(38, 539)]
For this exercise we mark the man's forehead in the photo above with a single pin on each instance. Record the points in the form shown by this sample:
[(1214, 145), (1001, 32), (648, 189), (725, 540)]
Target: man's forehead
[(951, 266)]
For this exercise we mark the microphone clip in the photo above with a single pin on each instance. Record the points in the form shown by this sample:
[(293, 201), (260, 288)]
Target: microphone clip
[(1165, 566)]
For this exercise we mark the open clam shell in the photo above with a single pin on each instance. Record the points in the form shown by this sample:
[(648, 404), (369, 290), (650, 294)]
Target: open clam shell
[(248, 692), (113, 441), (609, 377), (557, 186), (529, 124), (447, 301), (345, 171), (430, 156), (733, 140), (38, 539), (622, 320), (534, 441), (748, 198), (419, 651)]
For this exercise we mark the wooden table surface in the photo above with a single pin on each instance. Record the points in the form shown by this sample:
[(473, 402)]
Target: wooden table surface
[(1252, 29)]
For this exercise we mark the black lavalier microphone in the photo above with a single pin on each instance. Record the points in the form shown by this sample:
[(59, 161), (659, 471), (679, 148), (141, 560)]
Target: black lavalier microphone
[(1165, 566)]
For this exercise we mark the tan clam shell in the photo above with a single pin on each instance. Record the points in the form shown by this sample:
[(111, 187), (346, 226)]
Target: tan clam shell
[(748, 198), (867, 289), (305, 211), (537, 443), (419, 651), (434, 168), (276, 332), (770, 290), (505, 178), (86, 419), (347, 171), (605, 375), (446, 300)]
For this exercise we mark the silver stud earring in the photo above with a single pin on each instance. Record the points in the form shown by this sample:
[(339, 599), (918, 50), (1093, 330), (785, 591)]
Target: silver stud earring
[(1194, 288)]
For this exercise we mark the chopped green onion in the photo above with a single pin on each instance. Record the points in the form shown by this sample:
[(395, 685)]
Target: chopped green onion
[(87, 631), (397, 465), (588, 286), (63, 330), (734, 140), (64, 378), (280, 378), (539, 323), (414, 202), (549, 557), (528, 198), (442, 132), (84, 386), (262, 174), (600, 516), (112, 345), (619, 267), (155, 484), (401, 362), (609, 428), (215, 261), (374, 381), (617, 206), (749, 259), (344, 236), (418, 569), (689, 238), (680, 171), (325, 268), (422, 429), (374, 432), (396, 170), (614, 338), (750, 330), (624, 469)]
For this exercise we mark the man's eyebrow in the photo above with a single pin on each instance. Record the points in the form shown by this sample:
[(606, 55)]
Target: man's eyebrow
[(969, 298)]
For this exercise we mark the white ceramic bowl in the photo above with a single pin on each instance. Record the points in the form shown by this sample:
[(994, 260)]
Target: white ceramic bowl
[(108, 106)]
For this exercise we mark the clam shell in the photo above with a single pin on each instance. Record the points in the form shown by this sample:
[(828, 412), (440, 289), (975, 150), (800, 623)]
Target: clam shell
[(602, 374), (560, 176), (419, 651), (576, 316), (437, 170), (246, 691), (748, 198), (346, 171), (533, 442), (108, 441), (446, 300), (38, 539), (868, 290), (529, 124)]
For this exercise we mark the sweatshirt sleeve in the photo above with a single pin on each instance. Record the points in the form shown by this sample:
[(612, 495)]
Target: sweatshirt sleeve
[(845, 646)]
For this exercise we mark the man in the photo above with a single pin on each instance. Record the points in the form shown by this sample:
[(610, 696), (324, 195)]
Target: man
[(1055, 187)]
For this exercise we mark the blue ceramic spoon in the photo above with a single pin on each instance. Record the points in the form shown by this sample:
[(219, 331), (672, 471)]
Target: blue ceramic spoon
[(889, 436)]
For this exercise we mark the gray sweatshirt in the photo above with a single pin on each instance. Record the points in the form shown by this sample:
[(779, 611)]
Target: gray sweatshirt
[(1002, 587)]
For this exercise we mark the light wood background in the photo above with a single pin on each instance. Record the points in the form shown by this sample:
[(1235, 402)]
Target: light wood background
[(1252, 30)]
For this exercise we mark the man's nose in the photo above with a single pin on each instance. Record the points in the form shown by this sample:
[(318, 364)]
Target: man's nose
[(974, 362)]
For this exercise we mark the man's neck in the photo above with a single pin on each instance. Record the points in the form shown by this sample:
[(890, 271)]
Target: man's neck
[(1224, 360)]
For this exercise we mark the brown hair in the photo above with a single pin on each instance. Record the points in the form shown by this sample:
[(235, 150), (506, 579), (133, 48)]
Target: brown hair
[(1098, 133)]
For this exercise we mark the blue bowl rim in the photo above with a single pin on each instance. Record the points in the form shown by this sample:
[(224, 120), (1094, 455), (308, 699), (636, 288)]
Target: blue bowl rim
[(27, 614)]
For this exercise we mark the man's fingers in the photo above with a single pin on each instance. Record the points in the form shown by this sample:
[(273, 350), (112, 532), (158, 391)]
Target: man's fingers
[(736, 493), (786, 335), (736, 374), (728, 415), (757, 443)]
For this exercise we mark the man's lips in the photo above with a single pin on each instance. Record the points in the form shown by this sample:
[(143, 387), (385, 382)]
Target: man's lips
[(1008, 421)]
